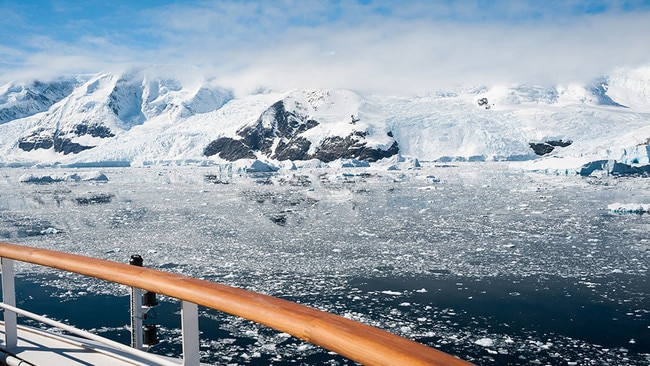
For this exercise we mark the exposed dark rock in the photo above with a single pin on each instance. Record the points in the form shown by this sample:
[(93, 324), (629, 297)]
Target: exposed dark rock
[(61, 141), (38, 139), (66, 146), (284, 124), (257, 138), (93, 130), (275, 122), (289, 124), (350, 147), (543, 148), (276, 134), (336, 147), (374, 154), (295, 149), (229, 149)]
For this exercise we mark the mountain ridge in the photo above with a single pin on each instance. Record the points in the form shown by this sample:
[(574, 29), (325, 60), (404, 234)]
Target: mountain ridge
[(157, 115)]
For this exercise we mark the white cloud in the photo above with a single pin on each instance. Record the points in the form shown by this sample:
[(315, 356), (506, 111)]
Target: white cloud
[(379, 48), (415, 57)]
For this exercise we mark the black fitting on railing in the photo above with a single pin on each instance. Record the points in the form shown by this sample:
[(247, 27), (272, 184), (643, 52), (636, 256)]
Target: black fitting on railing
[(150, 335), (136, 260), (149, 299)]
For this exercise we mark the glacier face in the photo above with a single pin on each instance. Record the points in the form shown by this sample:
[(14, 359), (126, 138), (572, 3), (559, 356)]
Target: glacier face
[(173, 114)]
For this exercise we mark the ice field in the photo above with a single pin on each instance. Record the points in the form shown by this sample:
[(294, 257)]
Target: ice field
[(482, 260)]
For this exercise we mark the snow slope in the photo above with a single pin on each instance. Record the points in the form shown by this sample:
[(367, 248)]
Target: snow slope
[(22, 99), (170, 114)]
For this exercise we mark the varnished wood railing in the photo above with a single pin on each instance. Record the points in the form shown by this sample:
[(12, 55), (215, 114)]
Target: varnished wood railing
[(354, 340)]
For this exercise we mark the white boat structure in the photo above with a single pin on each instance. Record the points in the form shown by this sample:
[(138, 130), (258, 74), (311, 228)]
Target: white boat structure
[(25, 346)]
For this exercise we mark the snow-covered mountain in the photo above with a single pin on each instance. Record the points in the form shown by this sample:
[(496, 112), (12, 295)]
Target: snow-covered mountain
[(172, 114), (323, 125), (18, 100)]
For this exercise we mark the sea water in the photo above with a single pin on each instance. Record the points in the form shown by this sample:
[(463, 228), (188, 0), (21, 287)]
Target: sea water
[(484, 261)]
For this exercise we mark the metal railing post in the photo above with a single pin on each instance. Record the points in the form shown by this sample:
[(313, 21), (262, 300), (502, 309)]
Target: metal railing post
[(190, 333), (136, 309), (9, 298)]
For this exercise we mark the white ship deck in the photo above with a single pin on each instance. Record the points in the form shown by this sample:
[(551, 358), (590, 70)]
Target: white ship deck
[(37, 347)]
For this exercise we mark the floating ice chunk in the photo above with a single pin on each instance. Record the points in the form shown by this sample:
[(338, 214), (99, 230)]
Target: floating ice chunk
[(50, 231), (637, 208), (45, 178), (257, 166), (350, 163), (396, 162), (93, 176), (393, 293), (433, 178), (309, 164), (485, 342), (52, 178), (304, 347), (422, 290)]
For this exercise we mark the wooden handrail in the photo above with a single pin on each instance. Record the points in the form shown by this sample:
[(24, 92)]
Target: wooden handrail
[(351, 339)]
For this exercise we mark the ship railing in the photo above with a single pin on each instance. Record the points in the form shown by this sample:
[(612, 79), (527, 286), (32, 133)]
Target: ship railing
[(354, 340)]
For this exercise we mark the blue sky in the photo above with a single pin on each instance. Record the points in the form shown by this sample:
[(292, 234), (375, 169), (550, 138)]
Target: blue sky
[(372, 46)]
